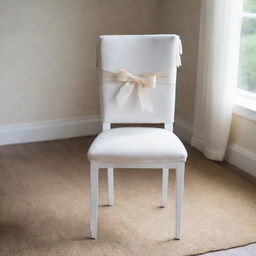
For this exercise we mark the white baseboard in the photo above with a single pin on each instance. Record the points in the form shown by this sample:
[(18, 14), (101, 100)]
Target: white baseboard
[(91, 125), (236, 155), (49, 130), (183, 129), (242, 158), (68, 128)]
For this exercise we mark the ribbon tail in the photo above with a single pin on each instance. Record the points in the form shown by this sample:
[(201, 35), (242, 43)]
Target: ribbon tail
[(178, 52), (124, 93), (145, 99)]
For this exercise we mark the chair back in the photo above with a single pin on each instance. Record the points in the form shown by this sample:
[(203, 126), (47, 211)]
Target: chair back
[(138, 54)]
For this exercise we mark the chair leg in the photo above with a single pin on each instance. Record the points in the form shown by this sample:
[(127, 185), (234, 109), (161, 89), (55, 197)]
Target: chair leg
[(165, 179), (180, 170), (94, 176), (110, 186)]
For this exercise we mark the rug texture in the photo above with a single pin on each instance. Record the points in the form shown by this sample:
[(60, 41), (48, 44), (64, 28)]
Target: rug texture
[(44, 206)]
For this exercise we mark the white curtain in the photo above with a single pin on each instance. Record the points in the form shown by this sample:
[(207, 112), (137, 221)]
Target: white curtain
[(219, 40)]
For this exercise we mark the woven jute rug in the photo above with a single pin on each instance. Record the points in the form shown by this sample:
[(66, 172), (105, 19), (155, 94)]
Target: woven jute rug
[(44, 206)]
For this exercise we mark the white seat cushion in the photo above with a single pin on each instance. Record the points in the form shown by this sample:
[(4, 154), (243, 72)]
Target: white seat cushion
[(137, 144)]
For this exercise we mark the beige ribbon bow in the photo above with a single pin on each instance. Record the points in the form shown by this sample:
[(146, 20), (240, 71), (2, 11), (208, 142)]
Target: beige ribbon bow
[(144, 84)]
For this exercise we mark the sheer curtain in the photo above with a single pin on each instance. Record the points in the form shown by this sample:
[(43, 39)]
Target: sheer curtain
[(219, 39)]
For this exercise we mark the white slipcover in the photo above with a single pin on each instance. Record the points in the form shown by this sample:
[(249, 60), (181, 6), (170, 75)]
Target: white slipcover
[(138, 54)]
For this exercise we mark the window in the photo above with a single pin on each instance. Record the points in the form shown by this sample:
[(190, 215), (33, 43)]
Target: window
[(246, 91), (247, 68)]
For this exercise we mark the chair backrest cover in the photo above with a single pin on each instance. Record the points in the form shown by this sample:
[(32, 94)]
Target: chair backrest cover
[(138, 54)]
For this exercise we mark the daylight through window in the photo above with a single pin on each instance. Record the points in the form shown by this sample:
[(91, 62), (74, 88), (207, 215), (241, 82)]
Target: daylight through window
[(247, 63)]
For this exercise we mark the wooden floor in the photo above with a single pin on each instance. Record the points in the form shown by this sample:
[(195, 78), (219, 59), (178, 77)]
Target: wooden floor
[(248, 250), (45, 199)]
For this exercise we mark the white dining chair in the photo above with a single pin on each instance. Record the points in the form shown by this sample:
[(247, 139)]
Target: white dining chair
[(137, 85)]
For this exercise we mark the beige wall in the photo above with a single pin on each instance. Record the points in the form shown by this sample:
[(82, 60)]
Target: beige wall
[(47, 53), (182, 17), (243, 133)]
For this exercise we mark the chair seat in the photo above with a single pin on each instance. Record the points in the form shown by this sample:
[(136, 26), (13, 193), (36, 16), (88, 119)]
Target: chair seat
[(137, 144)]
